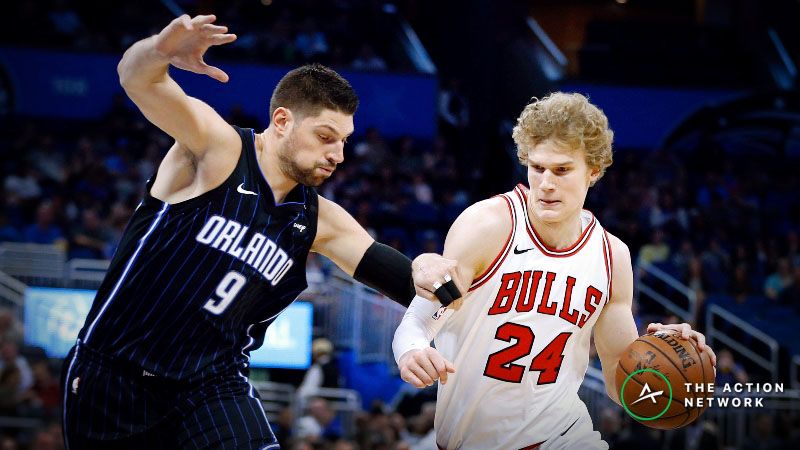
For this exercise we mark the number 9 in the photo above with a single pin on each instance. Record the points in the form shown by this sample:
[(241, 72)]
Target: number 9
[(227, 289)]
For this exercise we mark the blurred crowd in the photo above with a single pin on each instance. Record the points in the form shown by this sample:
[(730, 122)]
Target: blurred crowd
[(343, 34), (76, 186)]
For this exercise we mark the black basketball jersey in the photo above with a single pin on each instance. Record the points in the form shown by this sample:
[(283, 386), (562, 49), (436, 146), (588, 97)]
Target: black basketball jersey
[(194, 285)]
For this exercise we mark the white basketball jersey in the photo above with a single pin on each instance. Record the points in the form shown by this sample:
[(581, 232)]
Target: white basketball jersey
[(520, 340)]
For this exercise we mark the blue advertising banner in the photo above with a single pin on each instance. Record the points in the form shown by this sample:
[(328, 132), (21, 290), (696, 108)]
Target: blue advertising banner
[(80, 85), (642, 117), (54, 316)]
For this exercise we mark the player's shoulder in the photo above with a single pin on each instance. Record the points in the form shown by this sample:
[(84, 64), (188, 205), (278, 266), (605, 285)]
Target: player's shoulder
[(479, 234), (620, 254), (485, 218)]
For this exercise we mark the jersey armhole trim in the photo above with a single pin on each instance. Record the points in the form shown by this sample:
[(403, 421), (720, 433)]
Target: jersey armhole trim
[(609, 259), (498, 260)]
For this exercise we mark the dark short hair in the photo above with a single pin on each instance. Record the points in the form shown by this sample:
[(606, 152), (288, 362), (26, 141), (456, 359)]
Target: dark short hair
[(309, 89)]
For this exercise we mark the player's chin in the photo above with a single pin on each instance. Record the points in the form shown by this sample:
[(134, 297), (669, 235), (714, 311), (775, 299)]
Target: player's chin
[(548, 215)]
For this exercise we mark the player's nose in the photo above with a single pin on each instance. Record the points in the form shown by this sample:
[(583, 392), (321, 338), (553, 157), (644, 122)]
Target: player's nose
[(547, 182), (336, 156)]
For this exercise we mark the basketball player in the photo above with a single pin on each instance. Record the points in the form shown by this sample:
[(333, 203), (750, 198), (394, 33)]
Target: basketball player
[(214, 252), (543, 273)]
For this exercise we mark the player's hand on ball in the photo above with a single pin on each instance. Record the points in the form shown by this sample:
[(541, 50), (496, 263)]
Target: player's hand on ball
[(422, 368), (436, 278), (687, 332), (186, 39)]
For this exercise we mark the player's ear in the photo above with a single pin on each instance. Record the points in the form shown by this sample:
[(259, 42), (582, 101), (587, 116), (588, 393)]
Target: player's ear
[(594, 175), (283, 119)]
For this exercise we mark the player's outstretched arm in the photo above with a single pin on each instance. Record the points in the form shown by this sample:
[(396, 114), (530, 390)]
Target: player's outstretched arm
[(349, 246), (475, 238), (144, 76), (419, 363), (615, 328)]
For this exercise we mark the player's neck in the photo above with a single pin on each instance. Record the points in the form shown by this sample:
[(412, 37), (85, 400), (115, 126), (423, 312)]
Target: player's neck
[(266, 152), (558, 235)]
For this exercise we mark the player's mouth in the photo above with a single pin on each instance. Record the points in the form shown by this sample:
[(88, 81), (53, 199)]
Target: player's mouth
[(327, 170), (549, 202)]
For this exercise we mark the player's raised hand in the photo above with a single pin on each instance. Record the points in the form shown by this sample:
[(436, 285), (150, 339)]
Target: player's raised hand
[(423, 367), (437, 278), (186, 39)]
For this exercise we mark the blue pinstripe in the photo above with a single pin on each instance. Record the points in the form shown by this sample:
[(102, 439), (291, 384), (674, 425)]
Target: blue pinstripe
[(140, 305), (125, 273)]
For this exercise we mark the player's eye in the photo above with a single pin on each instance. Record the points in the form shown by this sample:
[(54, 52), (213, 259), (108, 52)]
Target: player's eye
[(324, 138)]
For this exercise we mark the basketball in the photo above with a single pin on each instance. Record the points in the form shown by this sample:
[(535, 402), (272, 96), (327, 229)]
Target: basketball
[(652, 375)]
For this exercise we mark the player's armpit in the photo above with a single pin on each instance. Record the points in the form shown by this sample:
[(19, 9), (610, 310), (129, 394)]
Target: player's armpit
[(615, 328)]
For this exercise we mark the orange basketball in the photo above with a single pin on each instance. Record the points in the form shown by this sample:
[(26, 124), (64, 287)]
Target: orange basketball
[(642, 371)]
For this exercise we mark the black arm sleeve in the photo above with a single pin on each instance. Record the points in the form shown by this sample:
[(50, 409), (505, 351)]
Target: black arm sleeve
[(387, 271)]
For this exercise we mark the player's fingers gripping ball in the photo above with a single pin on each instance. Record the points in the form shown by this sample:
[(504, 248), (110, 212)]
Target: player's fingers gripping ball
[(652, 378)]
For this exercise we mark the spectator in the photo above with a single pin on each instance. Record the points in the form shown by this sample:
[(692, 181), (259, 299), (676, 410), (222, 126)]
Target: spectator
[(790, 296), (728, 370), (8, 232), (764, 437), (343, 444), (10, 358), (46, 392), (324, 371), (373, 150), (8, 443), (45, 440), (368, 60), (90, 238), (310, 41), (10, 395), (656, 251), (44, 231), (320, 422), (10, 328), (779, 280)]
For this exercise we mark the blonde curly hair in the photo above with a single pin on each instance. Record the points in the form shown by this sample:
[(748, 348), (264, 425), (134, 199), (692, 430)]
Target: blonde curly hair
[(568, 119)]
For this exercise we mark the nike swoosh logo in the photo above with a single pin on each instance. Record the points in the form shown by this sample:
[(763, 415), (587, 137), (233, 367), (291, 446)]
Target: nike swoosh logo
[(240, 189), (573, 424), (517, 251)]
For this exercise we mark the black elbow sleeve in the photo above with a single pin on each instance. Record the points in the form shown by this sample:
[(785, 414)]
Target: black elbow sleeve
[(387, 271)]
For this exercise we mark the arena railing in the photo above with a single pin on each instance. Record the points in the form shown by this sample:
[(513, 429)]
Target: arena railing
[(409, 41), (715, 333), (86, 273), (346, 403), (274, 397), (552, 60), (687, 313), (33, 264), (12, 291), (735, 424), (357, 317)]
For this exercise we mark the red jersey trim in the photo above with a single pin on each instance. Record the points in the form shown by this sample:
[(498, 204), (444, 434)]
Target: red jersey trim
[(609, 257), (498, 260), (544, 248)]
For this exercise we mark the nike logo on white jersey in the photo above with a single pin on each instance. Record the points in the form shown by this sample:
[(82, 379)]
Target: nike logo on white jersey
[(240, 189), (652, 395)]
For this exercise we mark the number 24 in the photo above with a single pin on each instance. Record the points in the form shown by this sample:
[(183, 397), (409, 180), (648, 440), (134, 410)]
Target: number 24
[(500, 364)]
